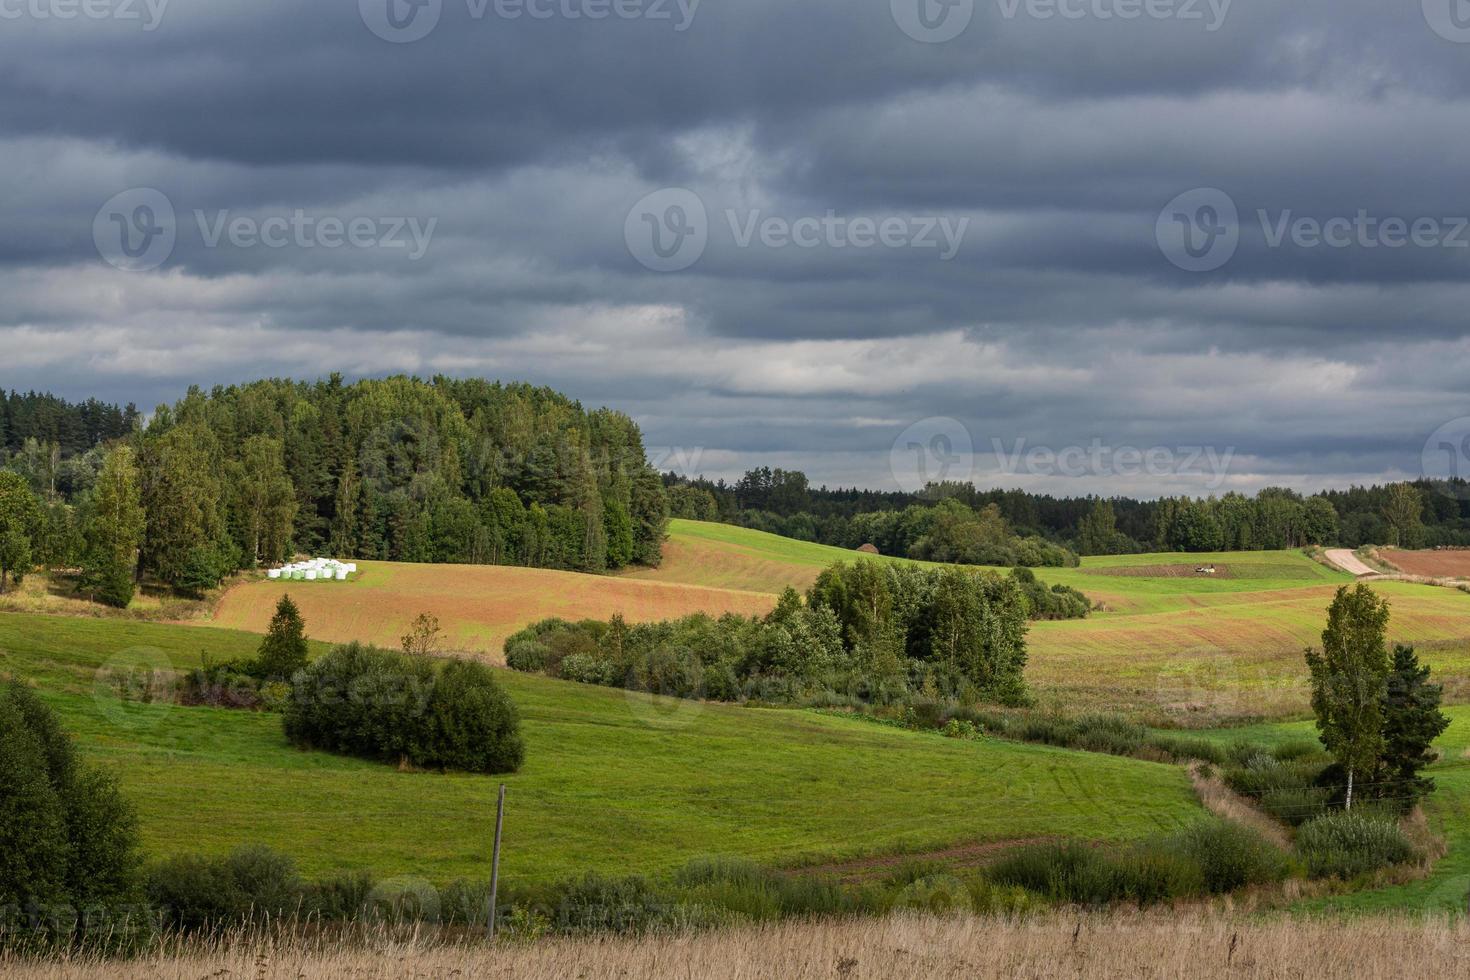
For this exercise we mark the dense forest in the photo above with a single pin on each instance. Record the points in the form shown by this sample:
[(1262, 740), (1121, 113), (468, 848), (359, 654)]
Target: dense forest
[(398, 468), (1415, 515)]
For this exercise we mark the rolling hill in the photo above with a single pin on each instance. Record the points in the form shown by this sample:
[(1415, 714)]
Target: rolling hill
[(1169, 646), (613, 781)]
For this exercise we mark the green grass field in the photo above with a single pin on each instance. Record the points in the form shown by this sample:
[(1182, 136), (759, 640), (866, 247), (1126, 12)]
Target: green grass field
[(613, 781), (1169, 649), (1448, 810)]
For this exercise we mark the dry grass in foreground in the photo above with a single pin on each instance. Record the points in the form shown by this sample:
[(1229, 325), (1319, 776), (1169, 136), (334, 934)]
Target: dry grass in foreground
[(1177, 947)]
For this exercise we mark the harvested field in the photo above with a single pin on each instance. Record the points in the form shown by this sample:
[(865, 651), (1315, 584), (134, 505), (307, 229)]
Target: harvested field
[(1190, 570), (1139, 946), (1430, 564), (478, 605)]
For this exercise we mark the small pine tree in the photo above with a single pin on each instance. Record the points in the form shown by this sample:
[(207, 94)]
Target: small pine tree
[(1411, 722), (107, 579), (283, 651)]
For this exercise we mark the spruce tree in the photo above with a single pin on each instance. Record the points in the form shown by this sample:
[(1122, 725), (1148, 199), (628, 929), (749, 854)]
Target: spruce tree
[(283, 651), (1411, 722)]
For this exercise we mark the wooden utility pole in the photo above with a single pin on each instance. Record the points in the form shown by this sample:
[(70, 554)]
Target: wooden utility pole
[(495, 858)]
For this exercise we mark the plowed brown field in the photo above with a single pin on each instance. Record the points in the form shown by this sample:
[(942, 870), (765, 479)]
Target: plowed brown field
[(1431, 564), (478, 605)]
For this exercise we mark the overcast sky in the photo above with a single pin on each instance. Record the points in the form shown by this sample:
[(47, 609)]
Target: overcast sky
[(845, 236)]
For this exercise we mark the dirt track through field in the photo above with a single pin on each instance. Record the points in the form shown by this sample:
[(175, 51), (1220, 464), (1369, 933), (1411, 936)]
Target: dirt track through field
[(1349, 562)]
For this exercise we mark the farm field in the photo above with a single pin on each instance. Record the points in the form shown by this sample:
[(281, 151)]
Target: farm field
[(612, 782), (478, 606), (1431, 564), (1169, 647)]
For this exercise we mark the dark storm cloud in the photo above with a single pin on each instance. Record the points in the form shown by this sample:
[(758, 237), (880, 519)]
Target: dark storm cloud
[(1048, 138)]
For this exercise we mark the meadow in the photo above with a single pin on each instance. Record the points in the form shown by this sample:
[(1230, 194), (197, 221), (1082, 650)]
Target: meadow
[(1166, 647), (614, 781)]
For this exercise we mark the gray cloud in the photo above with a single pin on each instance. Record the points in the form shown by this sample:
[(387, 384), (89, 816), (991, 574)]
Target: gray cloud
[(521, 146)]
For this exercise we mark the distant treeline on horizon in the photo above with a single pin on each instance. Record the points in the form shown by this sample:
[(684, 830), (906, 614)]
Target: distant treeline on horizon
[(472, 471), (1420, 514)]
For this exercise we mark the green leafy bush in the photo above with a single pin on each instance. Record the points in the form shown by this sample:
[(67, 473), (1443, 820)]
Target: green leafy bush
[(1078, 873), (1347, 843), (750, 890), (341, 896), (1228, 855), (377, 704), (195, 893)]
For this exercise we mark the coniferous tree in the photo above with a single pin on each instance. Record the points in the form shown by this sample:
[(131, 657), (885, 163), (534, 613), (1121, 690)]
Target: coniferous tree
[(283, 651), (1411, 722)]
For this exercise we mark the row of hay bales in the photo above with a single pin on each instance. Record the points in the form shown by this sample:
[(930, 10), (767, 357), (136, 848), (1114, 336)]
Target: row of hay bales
[(315, 570)]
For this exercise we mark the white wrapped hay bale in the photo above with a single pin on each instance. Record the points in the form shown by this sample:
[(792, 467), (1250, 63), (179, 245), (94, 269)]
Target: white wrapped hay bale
[(273, 573)]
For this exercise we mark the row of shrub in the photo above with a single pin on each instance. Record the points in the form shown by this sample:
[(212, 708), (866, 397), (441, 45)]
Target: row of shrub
[(870, 631), (256, 884), (1210, 858)]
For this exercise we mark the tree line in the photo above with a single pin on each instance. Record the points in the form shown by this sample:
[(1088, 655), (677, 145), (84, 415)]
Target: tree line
[(398, 468), (1420, 514), (867, 632)]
